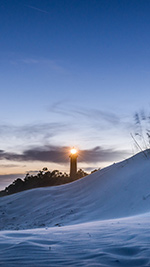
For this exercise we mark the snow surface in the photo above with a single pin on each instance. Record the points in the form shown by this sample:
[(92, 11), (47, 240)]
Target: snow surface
[(100, 220)]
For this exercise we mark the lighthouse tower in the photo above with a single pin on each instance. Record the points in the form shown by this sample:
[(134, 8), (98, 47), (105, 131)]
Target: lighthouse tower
[(73, 164)]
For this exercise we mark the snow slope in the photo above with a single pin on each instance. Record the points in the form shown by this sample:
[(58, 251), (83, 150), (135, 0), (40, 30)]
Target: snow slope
[(117, 191), (104, 220)]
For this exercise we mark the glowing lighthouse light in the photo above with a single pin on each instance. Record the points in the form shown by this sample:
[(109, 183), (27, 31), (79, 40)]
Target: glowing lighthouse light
[(73, 151)]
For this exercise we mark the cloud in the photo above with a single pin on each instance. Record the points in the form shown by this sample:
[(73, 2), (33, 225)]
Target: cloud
[(30, 61), (94, 118), (60, 155), (100, 154), (44, 154), (97, 114), (88, 113), (54, 65), (44, 130), (37, 9), (9, 166)]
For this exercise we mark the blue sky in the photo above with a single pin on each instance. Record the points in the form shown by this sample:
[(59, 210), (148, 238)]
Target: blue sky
[(72, 73)]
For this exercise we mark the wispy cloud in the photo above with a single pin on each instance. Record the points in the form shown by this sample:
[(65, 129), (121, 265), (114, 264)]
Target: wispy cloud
[(15, 138), (60, 155), (50, 64), (29, 61), (6, 166), (94, 116), (87, 113), (98, 114), (31, 130), (37, 9)]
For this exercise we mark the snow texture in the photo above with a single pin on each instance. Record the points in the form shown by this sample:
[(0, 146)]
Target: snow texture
[(100, 220)]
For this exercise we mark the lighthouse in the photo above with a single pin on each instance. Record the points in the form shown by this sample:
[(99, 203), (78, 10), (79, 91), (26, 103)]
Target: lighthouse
[(73, 164)]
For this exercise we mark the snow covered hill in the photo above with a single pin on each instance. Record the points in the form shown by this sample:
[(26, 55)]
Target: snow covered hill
[(120, 190), (100, 220)]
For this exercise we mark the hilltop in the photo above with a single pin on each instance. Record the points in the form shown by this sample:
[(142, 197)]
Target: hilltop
[(120, 190)]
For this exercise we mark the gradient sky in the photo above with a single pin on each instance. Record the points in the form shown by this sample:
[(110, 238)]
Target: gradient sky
[(72, 73)]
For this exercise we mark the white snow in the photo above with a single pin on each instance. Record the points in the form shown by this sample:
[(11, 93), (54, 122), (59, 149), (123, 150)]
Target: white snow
[(100, 220)]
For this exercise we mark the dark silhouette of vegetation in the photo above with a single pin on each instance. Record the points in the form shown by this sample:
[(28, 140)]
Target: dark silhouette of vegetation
[(42, 179), (141, 135)]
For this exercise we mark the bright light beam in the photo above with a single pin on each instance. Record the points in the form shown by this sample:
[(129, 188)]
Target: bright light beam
[(73, 151)]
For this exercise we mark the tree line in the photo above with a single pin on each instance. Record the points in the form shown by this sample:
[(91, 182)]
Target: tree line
[(42, 179)]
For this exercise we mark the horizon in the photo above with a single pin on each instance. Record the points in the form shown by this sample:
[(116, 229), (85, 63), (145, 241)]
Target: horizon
[(73, 73)]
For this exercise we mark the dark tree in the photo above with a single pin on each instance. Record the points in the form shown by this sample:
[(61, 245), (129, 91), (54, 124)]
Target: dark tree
[(43, 178)]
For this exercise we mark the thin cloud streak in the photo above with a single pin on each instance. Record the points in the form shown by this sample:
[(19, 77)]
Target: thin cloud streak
[(37, 9), (6, 166), (93, 114), (99, 114), (54, 65), (97, 119)]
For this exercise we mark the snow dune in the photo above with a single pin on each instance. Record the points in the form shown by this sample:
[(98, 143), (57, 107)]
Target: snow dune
[(117, 191), (100, 220), (111, 243)]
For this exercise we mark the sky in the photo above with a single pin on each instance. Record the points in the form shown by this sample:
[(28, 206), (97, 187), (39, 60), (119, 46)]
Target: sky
[(73, 73)]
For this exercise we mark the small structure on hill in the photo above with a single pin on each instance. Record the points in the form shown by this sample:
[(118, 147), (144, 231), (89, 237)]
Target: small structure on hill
[(73, 163)]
